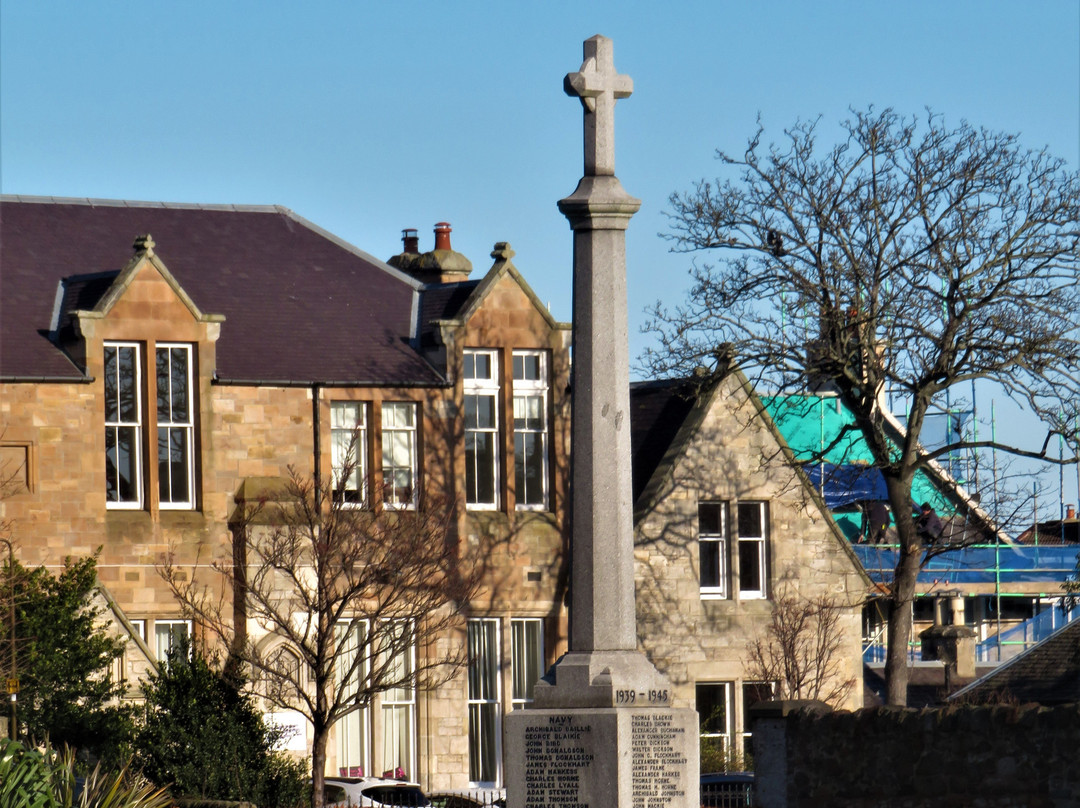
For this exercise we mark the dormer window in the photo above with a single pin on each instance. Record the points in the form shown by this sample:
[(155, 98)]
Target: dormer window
[(481, 383), (530, 430), (126, 416), (123, 426), (176, 427)]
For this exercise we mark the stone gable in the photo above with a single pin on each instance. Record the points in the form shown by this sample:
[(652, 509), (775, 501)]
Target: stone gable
[(729, 454)]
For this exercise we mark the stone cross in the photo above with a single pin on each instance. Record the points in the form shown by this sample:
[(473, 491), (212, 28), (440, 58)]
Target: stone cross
[(598, 86), (601, 731)]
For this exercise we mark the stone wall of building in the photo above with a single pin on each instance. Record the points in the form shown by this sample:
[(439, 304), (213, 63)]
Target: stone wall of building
[(52, 438), (734, 456), (994, 756)]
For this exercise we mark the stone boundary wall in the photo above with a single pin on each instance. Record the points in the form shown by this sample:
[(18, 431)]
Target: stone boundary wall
[(807, 756)]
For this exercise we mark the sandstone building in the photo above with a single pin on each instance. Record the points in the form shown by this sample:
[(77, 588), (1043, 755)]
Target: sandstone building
[(725, 525), (159, 362)]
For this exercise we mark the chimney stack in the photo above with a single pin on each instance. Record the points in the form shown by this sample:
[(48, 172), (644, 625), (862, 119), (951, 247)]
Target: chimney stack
[(1070, 511), (441, 265)]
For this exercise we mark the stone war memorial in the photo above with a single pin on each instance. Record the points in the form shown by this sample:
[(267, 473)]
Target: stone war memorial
[(602, 730)]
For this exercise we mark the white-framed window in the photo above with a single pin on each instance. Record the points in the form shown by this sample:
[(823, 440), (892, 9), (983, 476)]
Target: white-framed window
[(753, 522), (481, 386), (713, 703), (752, 693), (484, 712), (139, 626), (530, 430), (526, 658), (348, 451), (123, 425), (398, 704), (168, 635), (713, 549), (353, 738), (176, 426), (399, 454)]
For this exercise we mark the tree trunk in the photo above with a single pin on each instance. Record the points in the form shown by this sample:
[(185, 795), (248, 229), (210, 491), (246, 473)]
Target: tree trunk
[(318, 763), (904, 582), (898, 636)]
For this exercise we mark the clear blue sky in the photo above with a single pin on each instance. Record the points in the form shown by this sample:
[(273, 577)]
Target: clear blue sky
[(368, 117)]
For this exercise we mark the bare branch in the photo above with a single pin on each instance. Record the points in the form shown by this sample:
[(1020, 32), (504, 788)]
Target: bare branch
[(912, 256)]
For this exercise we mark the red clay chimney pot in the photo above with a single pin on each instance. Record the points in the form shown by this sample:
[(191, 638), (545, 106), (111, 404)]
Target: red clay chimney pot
[(442, 235)]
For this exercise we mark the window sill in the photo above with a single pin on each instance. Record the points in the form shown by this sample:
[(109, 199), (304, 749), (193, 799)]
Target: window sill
[(169, 518), (353, 506)]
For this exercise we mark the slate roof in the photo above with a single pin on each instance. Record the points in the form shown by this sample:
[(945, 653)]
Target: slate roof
[(442, 302), (300, 304), (926, 684), (1055, 531), (1047, 673), (658, 410)]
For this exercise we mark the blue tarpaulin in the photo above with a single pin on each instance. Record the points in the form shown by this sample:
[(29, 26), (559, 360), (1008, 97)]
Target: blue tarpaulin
[(1049, 564), (841, 485)]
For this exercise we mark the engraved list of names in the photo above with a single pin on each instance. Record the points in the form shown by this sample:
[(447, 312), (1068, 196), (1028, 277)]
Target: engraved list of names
[(657, 762), (557, 753)]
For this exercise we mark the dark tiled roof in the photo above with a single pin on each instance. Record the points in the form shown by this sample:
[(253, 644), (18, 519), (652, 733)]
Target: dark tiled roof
[(442, 302), (926, 685), (300, 305), (658, 410), (1056, 531), (1047, 673)]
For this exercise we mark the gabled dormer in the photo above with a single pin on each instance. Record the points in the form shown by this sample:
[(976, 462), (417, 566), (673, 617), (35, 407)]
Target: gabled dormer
[(149, 351), (508, 359)]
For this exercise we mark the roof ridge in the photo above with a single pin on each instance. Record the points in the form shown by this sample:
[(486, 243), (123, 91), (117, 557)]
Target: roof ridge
[(671, 382), (349, 247), (132, 203)]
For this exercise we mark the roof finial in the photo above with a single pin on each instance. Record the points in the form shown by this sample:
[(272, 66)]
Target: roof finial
[(502, 251), (144, 244)]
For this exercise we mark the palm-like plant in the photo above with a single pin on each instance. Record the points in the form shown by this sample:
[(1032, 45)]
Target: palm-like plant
[(31, 779), (24, 777)]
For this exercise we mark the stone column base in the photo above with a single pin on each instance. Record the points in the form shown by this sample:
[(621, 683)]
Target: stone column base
[(602, 757)]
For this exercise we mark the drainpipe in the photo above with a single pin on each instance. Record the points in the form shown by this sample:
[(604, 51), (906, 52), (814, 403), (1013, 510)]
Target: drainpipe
[(317, 446), (13, 683)]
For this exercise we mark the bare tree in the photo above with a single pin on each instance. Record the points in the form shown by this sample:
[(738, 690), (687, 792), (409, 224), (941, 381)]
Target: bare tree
[(912, 257), (341, 596), (802, 650)]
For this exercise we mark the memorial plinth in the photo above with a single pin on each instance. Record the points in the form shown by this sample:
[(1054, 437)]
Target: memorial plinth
[(601, 730)]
